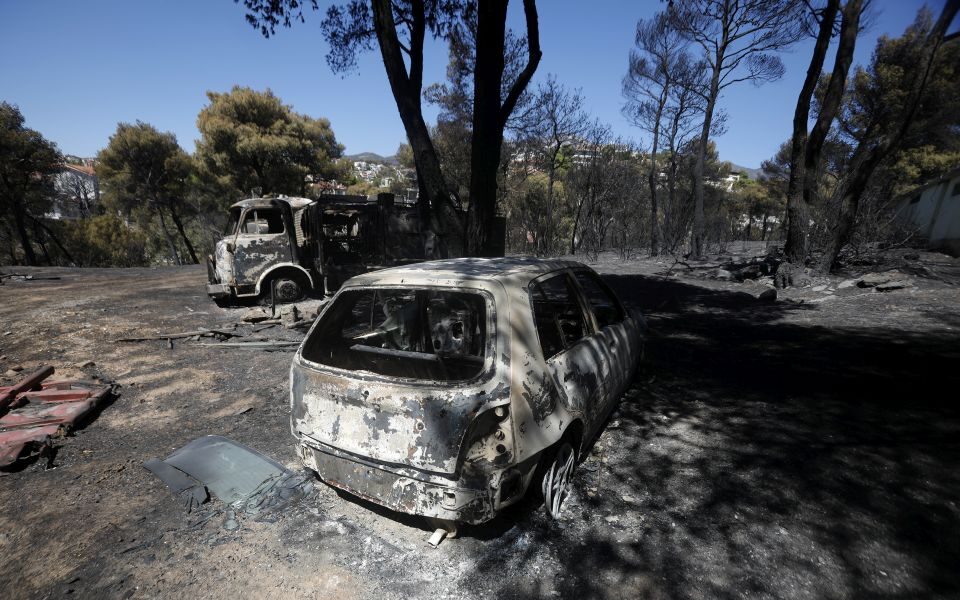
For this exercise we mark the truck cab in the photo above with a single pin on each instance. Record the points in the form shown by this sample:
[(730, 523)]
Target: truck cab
[(283, 247)]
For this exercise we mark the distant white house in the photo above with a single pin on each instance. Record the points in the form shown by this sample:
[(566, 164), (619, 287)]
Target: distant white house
[(934, 209), (731, 180), (77, 191), (728, 182)]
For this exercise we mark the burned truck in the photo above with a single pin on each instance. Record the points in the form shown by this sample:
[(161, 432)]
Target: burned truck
[(282, 248)]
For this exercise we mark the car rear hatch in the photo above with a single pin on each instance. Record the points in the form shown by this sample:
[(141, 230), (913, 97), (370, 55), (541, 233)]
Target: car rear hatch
[(397, 375)]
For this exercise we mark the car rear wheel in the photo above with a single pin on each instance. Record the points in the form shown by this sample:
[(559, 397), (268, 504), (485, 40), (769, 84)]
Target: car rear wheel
[(556, 478)]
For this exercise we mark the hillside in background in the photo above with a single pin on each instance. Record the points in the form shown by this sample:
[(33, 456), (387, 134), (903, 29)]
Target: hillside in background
[(751, 173), (373, 157)]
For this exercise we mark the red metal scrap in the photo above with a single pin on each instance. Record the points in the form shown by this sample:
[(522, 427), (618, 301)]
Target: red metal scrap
[(39, 411)]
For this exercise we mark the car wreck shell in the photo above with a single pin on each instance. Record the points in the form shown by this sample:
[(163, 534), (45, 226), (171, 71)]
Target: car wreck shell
[(369, 420)]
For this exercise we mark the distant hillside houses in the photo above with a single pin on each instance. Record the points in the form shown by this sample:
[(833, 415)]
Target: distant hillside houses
[(320, 187), (728, 181), (382, 175), (77, 189)]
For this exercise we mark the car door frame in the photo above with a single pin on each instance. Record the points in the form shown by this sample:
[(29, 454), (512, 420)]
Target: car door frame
[(615, 337), (576, 362)]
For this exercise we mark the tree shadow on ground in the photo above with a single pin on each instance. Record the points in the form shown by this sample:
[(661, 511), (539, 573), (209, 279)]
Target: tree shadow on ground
[(758, 457)]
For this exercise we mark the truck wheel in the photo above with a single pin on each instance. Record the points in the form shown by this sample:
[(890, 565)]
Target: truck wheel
[(287, 289), (556, 478)]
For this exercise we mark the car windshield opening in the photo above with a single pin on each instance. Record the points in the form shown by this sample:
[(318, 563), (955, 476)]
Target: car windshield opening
[(411, 333)]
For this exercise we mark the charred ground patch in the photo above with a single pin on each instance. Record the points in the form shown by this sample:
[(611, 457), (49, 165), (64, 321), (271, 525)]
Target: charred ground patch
[(788, 449)]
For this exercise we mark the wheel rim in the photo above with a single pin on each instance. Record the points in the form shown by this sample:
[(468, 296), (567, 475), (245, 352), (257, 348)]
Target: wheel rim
[(556, 480), (286, 290)]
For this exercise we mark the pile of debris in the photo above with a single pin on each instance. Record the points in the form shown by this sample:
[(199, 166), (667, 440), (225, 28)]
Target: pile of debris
[(881, 282), (230, 336), (24, 277)]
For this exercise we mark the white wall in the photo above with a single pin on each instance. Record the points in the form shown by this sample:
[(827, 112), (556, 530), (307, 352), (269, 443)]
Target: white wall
[(936, 213)]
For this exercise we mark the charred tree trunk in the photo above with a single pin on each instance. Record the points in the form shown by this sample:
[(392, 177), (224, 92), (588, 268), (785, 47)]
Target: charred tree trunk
[(166, 234), (43, 246), (487, 140), (66, 253), (19, 220), (702, 146), (11, 243), (443, 222), (796, 247), (849, 29), (866, 159), (490, 116), (183, 235), (576, 225), (652, 176)]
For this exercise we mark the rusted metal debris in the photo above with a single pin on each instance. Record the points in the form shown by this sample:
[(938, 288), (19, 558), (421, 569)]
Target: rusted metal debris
[(33, 411)]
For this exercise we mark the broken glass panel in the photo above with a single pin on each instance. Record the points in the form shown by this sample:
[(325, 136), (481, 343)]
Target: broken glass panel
[(232, 472)]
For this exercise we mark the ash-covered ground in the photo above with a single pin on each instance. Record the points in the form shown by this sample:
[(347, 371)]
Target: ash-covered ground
[(806, 447)]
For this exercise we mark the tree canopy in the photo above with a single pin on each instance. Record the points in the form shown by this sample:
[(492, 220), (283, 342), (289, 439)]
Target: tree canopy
[(28, 162), (739, 41), (399, 28), (144, 172), (250, 139)]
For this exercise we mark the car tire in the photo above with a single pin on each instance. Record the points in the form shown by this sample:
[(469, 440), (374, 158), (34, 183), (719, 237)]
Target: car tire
[(558, 471)]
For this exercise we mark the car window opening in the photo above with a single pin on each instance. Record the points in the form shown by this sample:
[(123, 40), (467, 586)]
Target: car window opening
[(606, 308), (559, 319), (409, 333)]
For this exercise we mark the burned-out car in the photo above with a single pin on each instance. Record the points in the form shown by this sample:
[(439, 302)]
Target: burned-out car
[(439, 388)]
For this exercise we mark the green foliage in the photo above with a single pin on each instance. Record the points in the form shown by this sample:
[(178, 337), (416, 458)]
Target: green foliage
[(145, 174), (754, 203), (896, 130), (106, 241), (915, 166), (537, 223), (878, 93), (405, 156), (362, 188), (250, 139), (27, 164), (142, 167)]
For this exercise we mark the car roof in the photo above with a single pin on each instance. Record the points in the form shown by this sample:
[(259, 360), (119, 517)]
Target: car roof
[(516, 269), (267, 201)]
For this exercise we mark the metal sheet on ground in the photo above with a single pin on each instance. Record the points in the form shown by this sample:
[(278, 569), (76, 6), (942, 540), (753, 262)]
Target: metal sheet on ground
[(230, 470), (34, 411)]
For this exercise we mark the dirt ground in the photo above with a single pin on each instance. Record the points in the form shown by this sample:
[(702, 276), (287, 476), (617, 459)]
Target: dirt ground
[(802, 448)]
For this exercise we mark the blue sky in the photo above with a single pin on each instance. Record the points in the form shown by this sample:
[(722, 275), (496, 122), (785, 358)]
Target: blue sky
[(76, 69)]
